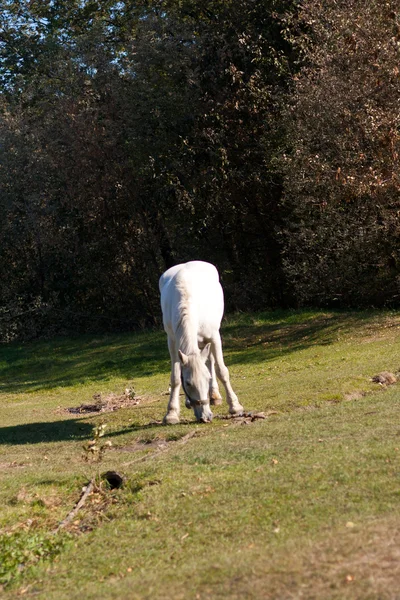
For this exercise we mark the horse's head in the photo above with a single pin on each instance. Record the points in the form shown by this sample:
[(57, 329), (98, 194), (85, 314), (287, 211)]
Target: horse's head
[(196, 379)]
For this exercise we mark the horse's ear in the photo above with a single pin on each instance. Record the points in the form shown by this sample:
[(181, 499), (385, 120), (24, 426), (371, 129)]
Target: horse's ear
[(205, 353), (183, 358)]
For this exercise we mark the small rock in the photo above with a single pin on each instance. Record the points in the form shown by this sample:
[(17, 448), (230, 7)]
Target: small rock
[(385, 378)]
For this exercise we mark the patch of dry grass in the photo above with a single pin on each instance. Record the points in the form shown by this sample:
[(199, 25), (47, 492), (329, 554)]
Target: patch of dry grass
[(354, 562)]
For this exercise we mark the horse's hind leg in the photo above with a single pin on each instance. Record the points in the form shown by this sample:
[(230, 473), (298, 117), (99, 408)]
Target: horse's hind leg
[(222, 371), (173, 410), (215, 396)]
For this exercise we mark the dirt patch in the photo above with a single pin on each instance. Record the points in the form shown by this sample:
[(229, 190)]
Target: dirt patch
[(159, 442), (109, 403), (355, 396), (156, 444), (14, 465)]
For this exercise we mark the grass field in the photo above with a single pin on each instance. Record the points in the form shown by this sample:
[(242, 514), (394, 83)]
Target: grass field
[(302, 504)]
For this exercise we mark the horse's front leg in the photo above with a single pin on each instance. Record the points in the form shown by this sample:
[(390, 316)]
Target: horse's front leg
[(174, 408), (222, 372), (215, 396)]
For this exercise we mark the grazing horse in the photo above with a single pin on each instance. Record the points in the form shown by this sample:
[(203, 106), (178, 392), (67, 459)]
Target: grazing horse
[(192, 304)]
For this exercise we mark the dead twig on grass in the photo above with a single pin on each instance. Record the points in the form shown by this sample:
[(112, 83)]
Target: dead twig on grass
[(84, 496), (247, 417), (90, 486)]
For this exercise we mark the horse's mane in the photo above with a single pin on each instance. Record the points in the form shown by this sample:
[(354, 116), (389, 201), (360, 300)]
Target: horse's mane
[(186, 327)]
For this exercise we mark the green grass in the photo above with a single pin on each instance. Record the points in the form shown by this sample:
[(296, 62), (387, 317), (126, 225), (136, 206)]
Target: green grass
[(303, 504)]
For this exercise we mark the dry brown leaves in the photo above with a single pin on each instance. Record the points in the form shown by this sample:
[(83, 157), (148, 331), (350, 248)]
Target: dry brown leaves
[(109, 403)]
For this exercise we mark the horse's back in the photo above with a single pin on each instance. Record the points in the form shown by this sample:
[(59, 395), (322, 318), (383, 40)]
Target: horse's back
[(195, 282), (195, 270)]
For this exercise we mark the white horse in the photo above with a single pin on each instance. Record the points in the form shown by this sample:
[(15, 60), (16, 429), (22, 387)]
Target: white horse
[(192, 303)]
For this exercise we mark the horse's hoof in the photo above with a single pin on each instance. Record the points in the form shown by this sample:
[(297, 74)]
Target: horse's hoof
[(236, 410), (215, 399), (171, 419)]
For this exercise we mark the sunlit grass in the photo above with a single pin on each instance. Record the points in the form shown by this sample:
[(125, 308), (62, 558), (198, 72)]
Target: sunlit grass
[(238, 510)]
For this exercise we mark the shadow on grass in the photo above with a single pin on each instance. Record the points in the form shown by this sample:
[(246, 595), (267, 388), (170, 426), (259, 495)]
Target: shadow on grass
[(291, 332), (37, 433), (63, 363), (76, 430), (247, 339)]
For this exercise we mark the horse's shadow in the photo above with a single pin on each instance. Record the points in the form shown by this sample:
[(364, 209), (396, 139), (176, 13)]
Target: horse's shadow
[(53, 431), (70, 430)]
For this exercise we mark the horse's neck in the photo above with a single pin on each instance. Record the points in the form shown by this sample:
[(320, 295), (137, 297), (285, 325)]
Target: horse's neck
[(187, 329)]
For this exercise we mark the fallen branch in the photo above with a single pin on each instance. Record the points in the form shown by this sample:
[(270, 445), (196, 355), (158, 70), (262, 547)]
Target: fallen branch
[(89, 488), (247, 416), (84, 496)]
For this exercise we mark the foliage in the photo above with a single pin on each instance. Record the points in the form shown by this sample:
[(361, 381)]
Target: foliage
[(134, 137), (94, 449), (22, 550), (261, 136), (342, 181)]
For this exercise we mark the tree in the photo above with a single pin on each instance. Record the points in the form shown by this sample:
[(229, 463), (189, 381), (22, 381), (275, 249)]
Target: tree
[(134, 136), (342, 167)]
